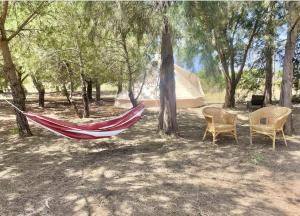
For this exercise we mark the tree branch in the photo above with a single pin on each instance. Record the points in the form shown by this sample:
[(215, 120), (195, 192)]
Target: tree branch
[(25, 22), (142, 86), (295, 24), (4, 12), (254, 30), (3, 19)]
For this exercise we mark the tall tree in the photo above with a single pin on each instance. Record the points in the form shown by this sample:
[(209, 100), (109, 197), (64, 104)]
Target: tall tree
[(227, 29), (9, 68), (129, 41), (269, 53), (293, 20), (167, 114), (69, 45)]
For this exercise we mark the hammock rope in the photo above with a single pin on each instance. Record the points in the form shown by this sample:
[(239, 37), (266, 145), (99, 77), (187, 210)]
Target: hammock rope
[(14, 106), (96, 130)]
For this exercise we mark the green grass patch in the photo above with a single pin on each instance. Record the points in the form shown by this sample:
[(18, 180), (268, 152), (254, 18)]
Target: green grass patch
[(14, 131), (256, 157)]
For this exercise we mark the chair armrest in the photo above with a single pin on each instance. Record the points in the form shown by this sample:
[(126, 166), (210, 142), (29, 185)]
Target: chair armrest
[(254, 118), (279, 122), (209, 119)]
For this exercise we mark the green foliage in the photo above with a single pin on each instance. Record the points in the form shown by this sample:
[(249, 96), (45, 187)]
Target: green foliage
[(256, 157), (129, 38), (214, 83), (251, 81), (223, 33), (95, 32), (14, 131)]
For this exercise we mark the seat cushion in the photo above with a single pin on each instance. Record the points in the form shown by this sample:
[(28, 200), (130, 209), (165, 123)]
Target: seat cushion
[(263, 127), (224, 127)]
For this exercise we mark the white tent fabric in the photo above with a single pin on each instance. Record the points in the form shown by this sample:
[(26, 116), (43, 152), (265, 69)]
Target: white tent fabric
[(189, 92)]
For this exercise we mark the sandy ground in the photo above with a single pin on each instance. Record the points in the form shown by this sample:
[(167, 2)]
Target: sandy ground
[(141, 173)]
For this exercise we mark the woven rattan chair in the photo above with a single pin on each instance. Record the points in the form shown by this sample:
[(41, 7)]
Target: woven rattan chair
[(269, 121), (219, 121)]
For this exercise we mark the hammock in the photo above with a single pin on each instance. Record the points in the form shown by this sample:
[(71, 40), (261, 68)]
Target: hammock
[(97, 130)]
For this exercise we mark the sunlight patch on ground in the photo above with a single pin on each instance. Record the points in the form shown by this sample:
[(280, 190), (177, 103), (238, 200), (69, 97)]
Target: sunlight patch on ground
[(143, 173)]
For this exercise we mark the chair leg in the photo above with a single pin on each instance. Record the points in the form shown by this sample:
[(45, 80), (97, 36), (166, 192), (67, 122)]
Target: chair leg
[(250, 136), (235, 136), (214, 138), (204, 134), (284, 137), (274, 138)]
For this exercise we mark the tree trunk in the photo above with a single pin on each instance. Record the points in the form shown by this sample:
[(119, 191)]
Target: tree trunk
[(130, 84), (84, 95), (230, 95), (70, 96), (41, 90), (65, 93), (132, 98), (70, 100), (120, 87), (98, 91), (18, 93), (167, 115), (42, 98), (287, 78), (269, 53), (89, 89), (57, 89), (269, 75)]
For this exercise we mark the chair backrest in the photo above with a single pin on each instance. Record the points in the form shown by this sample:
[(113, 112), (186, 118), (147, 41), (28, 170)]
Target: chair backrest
[(216, 112), (273, 114)]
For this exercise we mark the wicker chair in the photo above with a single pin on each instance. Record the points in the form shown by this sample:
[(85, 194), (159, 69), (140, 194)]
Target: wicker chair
[(269, 121), (219, 121)]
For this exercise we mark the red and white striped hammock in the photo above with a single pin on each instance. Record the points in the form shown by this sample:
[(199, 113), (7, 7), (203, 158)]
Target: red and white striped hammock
[(97, 130)]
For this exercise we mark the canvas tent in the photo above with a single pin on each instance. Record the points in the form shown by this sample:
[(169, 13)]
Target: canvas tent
[(188, 90)]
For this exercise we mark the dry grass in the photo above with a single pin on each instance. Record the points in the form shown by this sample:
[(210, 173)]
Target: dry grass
[(140, 173)]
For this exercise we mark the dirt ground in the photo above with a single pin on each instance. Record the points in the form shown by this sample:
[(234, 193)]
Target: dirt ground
[(141, 173)]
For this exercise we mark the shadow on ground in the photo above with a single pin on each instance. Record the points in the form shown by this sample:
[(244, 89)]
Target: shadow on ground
[(141, 173)]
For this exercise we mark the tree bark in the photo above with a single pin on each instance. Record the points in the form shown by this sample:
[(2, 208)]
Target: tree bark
[(167, 115), (64, 92), (287, 78), (269, 75), (70, 96), (269, 53), (70, 100), (89, 89), (17, 90), (230, 95), (120, 87), (85, 99), (130, 72), (98, 91), (11, 76), (84, 95), (57, 89), (41, 90), (9, 69)]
